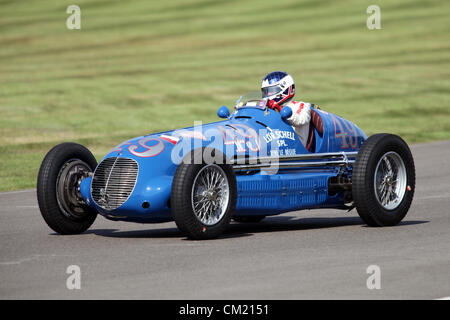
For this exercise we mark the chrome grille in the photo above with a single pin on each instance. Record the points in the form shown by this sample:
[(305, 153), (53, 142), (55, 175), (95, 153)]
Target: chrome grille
[(114, 180)]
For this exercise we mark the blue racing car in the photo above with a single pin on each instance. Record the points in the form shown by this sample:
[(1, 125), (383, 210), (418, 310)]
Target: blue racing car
[(246, 167)]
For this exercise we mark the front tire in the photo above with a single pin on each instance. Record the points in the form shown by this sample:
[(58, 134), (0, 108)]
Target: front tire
[(383, 180), (203, 197), (60, 202)]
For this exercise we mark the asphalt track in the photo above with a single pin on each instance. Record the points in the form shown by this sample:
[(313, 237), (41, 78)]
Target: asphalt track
[(320, 254)]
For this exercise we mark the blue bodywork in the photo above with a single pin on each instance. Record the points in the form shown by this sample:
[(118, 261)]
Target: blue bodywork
[(248, 131)]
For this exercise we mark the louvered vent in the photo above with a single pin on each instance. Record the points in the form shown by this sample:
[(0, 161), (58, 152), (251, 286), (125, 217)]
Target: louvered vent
[(114, 180)]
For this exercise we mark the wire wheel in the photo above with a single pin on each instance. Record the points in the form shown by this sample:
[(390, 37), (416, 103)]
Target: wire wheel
[(210, 194), (383, 180), (390, 180)]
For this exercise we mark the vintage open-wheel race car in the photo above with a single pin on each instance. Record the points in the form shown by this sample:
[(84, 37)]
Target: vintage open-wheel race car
[(246, 167)]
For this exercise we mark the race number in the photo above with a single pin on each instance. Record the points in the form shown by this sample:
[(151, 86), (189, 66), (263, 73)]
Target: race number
[(344, 130), (242, 136), (151, 148)]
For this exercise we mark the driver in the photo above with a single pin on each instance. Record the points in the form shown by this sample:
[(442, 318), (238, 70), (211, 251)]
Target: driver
[(279, 88)]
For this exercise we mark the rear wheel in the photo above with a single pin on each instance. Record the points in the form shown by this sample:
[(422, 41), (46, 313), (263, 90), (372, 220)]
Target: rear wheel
[(203, 198), (383, 180), (59, 199)]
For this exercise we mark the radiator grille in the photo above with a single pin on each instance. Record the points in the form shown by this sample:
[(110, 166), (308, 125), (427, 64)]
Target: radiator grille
[(114, 180)]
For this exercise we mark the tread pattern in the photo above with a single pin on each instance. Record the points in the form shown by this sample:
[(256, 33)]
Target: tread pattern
[(363, 174), (46, 188)]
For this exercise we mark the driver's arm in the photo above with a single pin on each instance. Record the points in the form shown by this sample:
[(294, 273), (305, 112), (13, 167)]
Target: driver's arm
[(301, 113)]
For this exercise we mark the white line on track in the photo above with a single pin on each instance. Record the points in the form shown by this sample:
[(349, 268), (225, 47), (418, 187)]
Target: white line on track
[(31, 258), (437, 196), (445, 298), (16, 192)]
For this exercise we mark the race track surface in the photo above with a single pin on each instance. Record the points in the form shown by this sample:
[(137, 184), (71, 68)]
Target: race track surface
[(321, 254)]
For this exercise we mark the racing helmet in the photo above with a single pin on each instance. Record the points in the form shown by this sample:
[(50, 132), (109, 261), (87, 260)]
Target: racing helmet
[(279, 88)]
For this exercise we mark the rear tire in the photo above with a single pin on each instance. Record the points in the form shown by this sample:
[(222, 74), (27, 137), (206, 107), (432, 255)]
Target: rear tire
[(383, 180), (58, 196), (201, 208)]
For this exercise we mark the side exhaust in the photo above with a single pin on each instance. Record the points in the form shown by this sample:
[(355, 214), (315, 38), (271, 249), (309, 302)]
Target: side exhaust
[(331, 159)]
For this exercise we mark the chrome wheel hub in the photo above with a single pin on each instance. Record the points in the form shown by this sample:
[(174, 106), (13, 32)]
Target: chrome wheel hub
[(210, 194), (390, 180)]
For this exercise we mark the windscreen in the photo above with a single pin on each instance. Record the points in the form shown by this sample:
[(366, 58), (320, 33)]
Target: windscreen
[(251, 100)]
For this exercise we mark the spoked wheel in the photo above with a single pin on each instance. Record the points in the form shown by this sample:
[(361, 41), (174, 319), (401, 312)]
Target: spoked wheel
[(383, 180), (210, 194), (203, 198), (390, 180), (59, 197)]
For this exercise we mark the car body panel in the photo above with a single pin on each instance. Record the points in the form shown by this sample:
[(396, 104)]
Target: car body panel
[(248, 132)]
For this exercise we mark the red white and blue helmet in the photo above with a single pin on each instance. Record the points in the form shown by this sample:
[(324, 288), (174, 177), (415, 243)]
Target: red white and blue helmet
[(278, 87)]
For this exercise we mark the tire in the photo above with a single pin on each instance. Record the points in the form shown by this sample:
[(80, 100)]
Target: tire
[(186, 194), (383, 181), (57, 188), (249, 219)]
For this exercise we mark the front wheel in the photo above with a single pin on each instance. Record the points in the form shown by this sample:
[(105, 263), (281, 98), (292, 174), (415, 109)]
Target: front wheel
[(59, 199), (203, 198), (383, 180)]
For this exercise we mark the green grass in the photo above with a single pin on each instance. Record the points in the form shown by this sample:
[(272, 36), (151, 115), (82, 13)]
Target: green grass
[(142, 66)]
